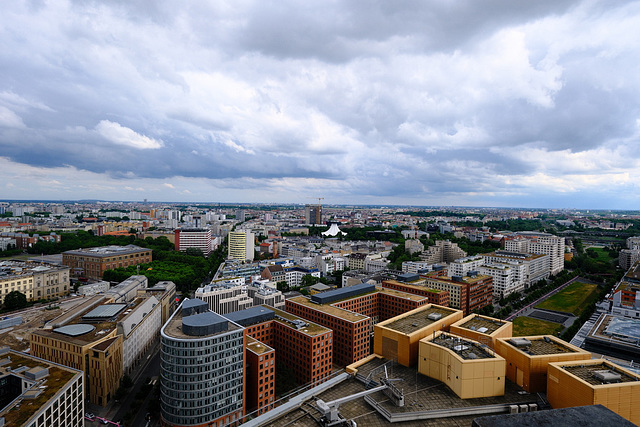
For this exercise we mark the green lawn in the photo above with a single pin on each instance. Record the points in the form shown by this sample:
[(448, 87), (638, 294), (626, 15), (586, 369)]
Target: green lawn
[(523, 326), (603, 256), (572, 299)]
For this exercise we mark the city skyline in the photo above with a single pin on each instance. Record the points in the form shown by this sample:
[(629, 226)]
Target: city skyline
[(516, 105)]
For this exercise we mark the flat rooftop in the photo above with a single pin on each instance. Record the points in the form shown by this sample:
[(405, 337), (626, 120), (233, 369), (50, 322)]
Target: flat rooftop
[(173, 327), (465, 349), (256, 346), (540, 346), (102, 326), (421, 394), (330, 309), (401, 294), (107, 251), (483, 325), (288, 319), (419, 320), (59, 376), (587, 372)]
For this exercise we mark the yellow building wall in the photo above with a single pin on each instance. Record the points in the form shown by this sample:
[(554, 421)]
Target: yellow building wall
[(565, 390), (467, 378), (530, 372), (73, 355), (105, 370), (389, 343)]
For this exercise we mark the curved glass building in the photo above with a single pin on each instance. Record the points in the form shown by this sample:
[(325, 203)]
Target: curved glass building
[(202, 365)]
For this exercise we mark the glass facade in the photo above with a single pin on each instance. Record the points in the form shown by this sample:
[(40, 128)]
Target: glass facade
[(202, 378)]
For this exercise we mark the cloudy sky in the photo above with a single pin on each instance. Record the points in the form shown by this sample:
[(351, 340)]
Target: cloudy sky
[(429, 102)]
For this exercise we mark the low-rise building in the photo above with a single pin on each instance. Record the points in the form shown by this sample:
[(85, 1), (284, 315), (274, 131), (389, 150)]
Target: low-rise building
[(36, 280), (465, 366), (528, 358), (483, 329), (398, 338), (38, 393), (225, 295), (93, 262), (594, 382), (91, 289)]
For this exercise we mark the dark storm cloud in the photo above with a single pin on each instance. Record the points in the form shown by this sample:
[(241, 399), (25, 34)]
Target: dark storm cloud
[(408, 100)]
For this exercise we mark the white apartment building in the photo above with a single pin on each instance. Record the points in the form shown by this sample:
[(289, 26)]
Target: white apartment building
[(241, 245), (375, 262), (265, 295), (199, 238), (416, 266), (462, 266), (534, 267), (225, 295), (139, 328), (93, 288), (329, 263), (442, 251), (633, 243), (507, 278), (5, 242), (540, 243)]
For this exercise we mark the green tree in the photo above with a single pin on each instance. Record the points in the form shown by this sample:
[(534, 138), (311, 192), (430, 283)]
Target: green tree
[(15, 300)]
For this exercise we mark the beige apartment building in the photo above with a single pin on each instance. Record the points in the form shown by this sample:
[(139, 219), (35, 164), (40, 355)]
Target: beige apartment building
[(36, 280)]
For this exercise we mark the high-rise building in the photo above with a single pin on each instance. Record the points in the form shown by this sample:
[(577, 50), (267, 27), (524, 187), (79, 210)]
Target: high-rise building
[(442, 251), (199, 238), (241, 245), (313, 214), (202, 368)]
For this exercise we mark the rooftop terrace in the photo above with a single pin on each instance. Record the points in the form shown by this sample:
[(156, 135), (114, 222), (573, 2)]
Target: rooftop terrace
[(538, 346), (483, 325), (465, 349), (329, 309), (600, 374), (419, 320)]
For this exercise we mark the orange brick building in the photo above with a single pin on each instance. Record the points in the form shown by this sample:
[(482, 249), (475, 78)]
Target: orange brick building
[(305, 348), (435, 296), (93, 262), (351, 313)]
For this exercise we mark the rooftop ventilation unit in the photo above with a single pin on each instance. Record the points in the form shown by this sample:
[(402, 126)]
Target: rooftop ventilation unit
[(460, 347), (520, 342), (607, 376), (434, 316)]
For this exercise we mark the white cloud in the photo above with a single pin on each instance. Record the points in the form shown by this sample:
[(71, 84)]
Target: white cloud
[(10, 119), (121, 135)]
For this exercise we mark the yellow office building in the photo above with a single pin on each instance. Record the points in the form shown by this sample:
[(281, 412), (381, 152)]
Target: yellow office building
[(529, 357), (594, 382), (398, 338), (468, 368)]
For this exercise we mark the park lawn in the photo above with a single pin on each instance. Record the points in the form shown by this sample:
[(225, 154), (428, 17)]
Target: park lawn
[(572, 299), (603, 256), (524, 326)]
